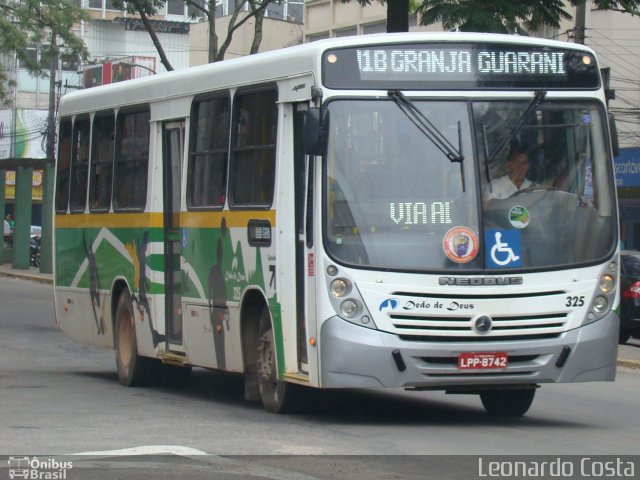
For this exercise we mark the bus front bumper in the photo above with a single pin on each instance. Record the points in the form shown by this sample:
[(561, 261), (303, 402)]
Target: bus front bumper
[(353, 356)]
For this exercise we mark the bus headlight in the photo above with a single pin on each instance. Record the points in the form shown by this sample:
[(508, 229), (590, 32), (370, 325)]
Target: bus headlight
[(600, 304), (607, 283), (349, 308), (346, 299), (340, 287), (605, 296)]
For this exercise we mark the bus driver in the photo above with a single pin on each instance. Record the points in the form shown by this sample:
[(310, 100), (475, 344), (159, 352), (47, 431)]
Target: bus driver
[(515, 179)]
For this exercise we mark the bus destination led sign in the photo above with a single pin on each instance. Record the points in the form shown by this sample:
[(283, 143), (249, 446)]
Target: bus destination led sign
[(459, 66), (416, 63)]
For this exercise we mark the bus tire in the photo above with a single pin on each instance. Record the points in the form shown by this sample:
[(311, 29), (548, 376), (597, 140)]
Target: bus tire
[(507, 403), (277, 396), (133, 370)]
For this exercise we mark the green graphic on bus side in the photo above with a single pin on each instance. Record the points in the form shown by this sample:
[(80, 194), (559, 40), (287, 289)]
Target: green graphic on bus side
[(212, 270)]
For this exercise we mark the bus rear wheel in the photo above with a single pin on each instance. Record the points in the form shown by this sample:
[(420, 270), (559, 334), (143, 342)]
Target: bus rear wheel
[(133, 369), (277, 396), (507, 403)]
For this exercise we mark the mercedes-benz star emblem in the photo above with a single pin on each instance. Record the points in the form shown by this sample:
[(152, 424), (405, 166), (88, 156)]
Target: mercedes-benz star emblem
[(483, 324)]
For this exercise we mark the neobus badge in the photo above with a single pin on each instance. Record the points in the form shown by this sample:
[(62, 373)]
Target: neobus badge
[(479, 281)]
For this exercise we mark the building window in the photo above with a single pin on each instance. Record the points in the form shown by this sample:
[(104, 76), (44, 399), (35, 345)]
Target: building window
[(175, 7), (195, 12), (254, 148), (347, 32), (380, 27), (131, 160), (317, 36), (276, 10), (208, 151), (101, 161), (295, 11)]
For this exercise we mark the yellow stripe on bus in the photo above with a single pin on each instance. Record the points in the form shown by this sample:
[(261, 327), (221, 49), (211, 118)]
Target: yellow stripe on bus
[(233, 219)]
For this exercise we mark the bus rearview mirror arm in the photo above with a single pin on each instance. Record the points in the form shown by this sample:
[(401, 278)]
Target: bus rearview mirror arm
[(613, 129), (316, 131)]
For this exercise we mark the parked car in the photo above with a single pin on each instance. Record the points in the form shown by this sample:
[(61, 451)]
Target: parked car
[(629, 295)]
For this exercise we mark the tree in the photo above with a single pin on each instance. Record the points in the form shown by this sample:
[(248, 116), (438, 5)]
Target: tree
[(206, 8), (508, 16), (27, 23), (257, 10)]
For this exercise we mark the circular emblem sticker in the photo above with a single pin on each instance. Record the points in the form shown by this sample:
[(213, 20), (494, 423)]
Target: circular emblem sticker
[(460, 244), (519, 216)]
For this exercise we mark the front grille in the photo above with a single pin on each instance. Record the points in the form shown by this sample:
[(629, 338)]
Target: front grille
[(476, 338), (442, 328)]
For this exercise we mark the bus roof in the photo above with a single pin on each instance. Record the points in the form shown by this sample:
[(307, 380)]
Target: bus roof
[(261, 68)]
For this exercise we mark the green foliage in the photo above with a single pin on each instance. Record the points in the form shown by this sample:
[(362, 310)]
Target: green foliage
[(497, 16), (507, 16), (25, 23), (625, 6)]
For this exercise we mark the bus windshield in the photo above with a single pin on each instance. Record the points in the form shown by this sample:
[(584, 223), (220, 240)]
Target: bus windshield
[(543, 199)]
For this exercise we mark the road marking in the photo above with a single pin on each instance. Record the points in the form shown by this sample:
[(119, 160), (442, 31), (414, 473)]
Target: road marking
[(148, 450)]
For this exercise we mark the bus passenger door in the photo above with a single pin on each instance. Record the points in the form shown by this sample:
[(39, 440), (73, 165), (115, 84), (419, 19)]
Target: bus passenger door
[(173, 149), (304, 254)]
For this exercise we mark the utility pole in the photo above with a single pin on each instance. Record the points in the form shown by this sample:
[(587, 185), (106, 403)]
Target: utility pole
[(46, 245), (579, 30)]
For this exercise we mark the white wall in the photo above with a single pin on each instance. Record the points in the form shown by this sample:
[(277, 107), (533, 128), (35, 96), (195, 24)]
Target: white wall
[(110, 39)]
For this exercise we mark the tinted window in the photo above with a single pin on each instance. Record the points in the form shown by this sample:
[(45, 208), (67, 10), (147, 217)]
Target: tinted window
[(254, 148), (209, 146), (101, 161), (131, 160), (64, 158), (79, 164)]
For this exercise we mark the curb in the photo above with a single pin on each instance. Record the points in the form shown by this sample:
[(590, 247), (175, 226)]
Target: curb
[(634, 364), (34, 277)]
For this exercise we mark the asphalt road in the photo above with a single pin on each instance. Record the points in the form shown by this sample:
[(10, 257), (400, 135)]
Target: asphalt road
[(61, 398)]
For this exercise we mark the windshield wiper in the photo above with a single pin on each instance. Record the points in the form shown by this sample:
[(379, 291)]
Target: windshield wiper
[(537, 99), (430, 131)]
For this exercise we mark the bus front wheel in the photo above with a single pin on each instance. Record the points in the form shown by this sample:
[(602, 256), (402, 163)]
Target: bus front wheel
[(507, 403), (132, 368), (277, 396)]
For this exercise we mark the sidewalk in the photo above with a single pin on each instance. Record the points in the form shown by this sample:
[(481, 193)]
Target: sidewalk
[(32, 274), (628, 355)]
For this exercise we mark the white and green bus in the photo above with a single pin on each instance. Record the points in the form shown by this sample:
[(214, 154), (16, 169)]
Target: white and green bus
[(345, 213)]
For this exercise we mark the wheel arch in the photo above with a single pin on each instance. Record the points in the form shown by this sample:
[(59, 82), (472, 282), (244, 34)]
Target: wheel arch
[(250, 312)]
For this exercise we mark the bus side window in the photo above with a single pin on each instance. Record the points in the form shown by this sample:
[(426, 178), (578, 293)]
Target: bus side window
[(64, 158), (101, 161), (254, 148), (131, 160), (79, 164), (208, 151)]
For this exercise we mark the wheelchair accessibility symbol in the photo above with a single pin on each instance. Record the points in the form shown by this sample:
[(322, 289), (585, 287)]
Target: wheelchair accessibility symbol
[(503, 248)]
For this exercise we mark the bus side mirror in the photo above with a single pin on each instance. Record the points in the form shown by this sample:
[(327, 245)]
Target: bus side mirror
[(613, 130), (316, 131)]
